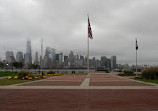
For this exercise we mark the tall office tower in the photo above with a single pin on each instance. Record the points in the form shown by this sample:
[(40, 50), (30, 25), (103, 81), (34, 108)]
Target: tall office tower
[(60, 57), (28, 52), (65, 60), (50, 53), (19, 57), (26, 60), (72, 59), (98, 64), (57, 57), (113, 62), (81, 57), (104, 61), (71, 56), (10, 57), (108, 63), (36, 62)]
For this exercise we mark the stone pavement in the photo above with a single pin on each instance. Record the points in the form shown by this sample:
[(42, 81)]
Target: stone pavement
[(97, 92)]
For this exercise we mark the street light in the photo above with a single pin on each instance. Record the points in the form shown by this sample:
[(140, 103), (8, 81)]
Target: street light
[(39, 69), (7, 67)]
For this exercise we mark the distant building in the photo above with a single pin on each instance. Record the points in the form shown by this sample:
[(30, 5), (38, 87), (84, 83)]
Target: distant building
[(28, 54), (36, 62), (113, 62), (19, 57), (108, 63), (66, 60), (98, 64), (26, 60), (72, 59), (104, 61), (10, 57), (50, 53)]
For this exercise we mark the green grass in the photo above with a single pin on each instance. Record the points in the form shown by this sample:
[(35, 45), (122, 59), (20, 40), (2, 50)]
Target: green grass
[(2, 73), (146, 80), (11, 81)]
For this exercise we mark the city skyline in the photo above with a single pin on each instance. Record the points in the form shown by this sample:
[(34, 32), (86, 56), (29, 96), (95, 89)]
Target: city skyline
[(63, 26)]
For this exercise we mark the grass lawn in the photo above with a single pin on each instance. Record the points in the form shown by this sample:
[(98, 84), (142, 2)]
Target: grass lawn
[(146, 80), (2, 73), (10, 82)]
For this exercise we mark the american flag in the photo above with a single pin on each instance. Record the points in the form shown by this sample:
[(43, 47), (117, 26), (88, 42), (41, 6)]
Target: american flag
[(89, 30), (136, 45)]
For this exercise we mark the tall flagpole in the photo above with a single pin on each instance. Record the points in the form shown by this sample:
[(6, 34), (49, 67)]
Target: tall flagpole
[(136, 65), (136, 59), (89, 36), (42, 56), (87, 54)]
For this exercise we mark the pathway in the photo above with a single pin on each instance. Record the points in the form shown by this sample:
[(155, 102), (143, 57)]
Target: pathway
[(97, 92)]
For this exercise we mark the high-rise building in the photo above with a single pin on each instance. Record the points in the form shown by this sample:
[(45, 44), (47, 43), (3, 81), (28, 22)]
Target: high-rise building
[(104, 61), (28, 53), (98, 64), (108, 63), (36, 62), (57, 57), (10, 57), (50, 53), (60, 57), (113, 62), (26, 60), (19, 57), (66, 60)]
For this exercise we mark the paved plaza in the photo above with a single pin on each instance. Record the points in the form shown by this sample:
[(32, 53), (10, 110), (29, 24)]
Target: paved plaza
[(97, 92)]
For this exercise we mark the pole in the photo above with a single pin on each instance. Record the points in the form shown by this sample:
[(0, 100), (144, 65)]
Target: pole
[(136, 64), (88, 55), (42, 57)]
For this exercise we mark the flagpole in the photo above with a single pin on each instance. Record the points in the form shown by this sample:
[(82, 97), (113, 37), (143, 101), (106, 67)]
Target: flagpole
[(42, 56), (136, 59), (89, 36), (88, 54), (136, 65)]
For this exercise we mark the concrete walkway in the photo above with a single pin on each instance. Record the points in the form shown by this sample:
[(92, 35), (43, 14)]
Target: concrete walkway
[(4, 77)]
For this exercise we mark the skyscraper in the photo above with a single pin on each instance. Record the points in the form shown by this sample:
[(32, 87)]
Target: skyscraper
[(50, 53), (36, 59), (10, 57), (104, 61), (19, 57), (113, 62), (29, 52)]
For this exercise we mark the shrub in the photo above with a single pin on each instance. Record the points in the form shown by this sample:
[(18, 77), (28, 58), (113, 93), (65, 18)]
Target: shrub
[(150, 73), (51, 72), (128, 72), (24, 74)]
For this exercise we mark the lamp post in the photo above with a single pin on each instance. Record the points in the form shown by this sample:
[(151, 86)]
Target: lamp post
[(7, 67), (39, 69)]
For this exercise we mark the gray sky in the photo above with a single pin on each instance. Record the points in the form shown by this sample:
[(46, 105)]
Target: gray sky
[(63, 25)]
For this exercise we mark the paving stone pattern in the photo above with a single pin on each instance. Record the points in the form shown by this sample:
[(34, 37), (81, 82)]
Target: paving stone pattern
[(80, 99)]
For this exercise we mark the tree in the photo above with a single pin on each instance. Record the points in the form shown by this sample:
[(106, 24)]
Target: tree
[(1, 65), (34, 66), (17, 65)]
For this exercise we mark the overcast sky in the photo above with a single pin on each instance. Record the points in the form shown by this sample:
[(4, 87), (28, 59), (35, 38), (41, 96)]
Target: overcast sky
[(63, 25)]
